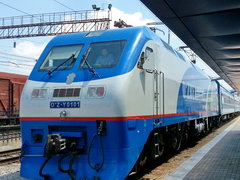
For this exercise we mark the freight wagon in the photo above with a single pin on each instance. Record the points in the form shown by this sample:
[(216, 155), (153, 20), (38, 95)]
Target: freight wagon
[(11, 86)]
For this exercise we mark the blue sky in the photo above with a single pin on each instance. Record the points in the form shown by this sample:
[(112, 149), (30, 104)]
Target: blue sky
[(133, 12), (46, 6)]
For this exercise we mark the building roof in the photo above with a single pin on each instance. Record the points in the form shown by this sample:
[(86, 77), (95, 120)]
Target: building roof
[(210, 28)]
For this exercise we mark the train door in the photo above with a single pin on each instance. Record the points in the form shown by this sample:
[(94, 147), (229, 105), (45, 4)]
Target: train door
[(156, 93), (158, 87), (151, 66)]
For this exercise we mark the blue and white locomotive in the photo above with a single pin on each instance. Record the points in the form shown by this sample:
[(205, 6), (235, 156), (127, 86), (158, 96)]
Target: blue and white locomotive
[(99, 104)]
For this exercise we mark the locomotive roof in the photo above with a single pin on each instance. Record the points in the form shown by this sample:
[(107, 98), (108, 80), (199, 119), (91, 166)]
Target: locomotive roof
[(111, 35), (106, 35)]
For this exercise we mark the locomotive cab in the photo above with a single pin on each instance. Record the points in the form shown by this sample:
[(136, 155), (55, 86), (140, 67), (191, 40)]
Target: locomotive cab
[(77, 103)]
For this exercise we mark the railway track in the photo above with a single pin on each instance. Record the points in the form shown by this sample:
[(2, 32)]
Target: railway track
[(9, 128), (10, 135), (10, 156)]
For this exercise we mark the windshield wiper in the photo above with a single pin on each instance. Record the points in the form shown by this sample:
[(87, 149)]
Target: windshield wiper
[(56, 68), (90, 68)]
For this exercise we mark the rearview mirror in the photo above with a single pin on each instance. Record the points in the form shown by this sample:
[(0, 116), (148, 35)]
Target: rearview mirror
[(141, 61)]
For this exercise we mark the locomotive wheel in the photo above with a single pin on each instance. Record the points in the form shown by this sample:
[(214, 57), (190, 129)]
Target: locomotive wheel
[(175, 140), (161, 150), (142, 160), (218, 121), (174, 143)]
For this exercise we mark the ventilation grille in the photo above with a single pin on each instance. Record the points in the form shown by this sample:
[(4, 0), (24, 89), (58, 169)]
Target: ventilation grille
[(66, 92)]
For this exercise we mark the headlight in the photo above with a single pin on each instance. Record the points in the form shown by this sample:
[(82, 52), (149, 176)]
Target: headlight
[(39, 93), (96, 92)]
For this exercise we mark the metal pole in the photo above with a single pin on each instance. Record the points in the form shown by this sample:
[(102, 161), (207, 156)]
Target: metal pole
[(169, 36)]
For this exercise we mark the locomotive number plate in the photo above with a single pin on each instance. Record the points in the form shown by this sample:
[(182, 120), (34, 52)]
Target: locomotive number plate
[(65, 104)]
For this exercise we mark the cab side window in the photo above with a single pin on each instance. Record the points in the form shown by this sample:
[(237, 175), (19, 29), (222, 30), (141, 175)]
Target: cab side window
[(144, 56), (148, 52)]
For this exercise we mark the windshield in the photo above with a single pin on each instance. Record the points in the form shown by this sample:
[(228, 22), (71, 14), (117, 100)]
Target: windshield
[(58, 55), (104, 55)]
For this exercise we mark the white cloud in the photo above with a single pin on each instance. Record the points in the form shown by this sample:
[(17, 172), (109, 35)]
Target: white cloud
[(135, 19), (28, 49), (22, 65), (138, 19)]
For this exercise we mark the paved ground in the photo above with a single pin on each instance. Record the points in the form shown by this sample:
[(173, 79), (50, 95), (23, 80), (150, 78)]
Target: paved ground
[(12, 176), (217, 160)]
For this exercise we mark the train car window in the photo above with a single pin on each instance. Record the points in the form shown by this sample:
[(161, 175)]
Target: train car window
[(59, 55), (148, 63), (104, 54), (148, 52), (144, 57)]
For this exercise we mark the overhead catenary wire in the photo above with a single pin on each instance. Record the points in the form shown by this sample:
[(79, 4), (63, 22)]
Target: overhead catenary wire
[(7, 59), (51, 24), (15, 8), (18, 56), (14, 63), (13, 55), (13, 59), (18, 68), (28, 40), (9, 62), (64, 5)]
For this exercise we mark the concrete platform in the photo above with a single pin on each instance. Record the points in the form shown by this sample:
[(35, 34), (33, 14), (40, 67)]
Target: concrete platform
[(217, 160), (12, 176)]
